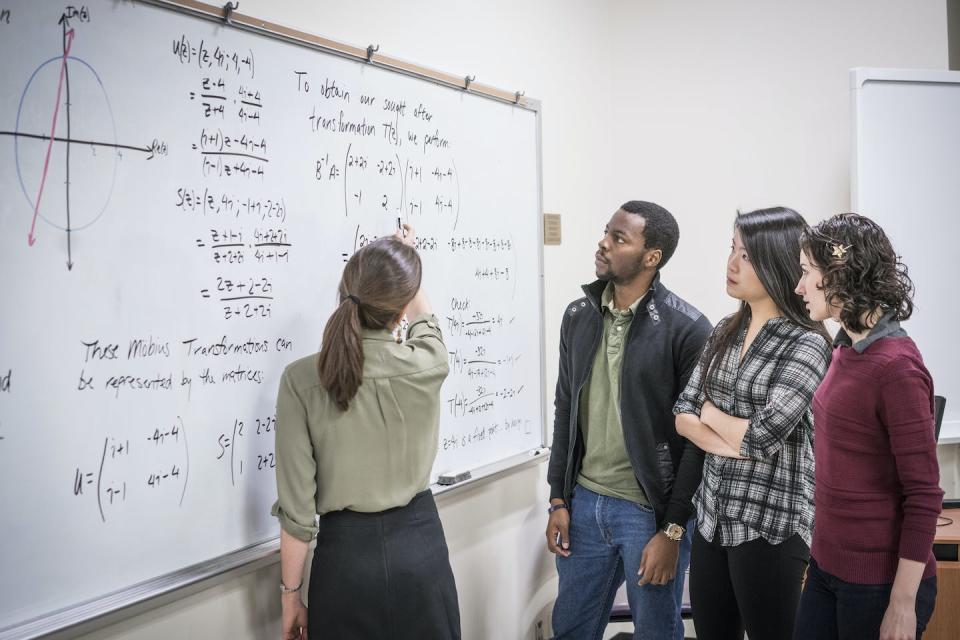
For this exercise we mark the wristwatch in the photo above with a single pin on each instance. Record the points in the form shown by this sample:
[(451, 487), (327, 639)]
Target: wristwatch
[(673, 531)]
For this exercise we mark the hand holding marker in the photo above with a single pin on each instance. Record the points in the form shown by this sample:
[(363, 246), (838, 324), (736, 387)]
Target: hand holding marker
[(405, 233)]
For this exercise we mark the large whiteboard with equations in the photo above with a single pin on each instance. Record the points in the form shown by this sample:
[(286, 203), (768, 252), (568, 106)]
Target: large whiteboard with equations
[(178, 200)]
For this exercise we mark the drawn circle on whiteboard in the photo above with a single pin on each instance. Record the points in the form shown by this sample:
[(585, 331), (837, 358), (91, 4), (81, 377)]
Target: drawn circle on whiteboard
[(92, 168)]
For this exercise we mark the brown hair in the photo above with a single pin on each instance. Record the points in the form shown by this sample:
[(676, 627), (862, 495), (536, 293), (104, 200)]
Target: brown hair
[(861, 271), (377, 284)]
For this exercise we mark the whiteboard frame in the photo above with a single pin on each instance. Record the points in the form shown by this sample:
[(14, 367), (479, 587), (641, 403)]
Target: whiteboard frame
[(859, 76), (97, 613)]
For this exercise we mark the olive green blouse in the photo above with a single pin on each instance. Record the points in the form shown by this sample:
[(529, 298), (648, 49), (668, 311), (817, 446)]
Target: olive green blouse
[(378, 453)]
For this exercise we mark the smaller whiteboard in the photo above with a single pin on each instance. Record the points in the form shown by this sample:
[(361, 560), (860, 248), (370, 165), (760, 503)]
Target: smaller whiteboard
[(906, 176)]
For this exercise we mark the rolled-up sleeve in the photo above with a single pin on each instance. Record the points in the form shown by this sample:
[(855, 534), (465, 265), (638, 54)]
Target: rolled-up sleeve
[(296, 505), (425, 344), (693, 396), (798, 375)]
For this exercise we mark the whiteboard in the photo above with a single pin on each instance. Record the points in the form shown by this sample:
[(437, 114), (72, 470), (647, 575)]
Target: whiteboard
[(906, 176), (179, 199)]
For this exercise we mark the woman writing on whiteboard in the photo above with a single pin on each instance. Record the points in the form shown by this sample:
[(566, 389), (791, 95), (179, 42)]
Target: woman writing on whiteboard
[(357, 430), (872, 572), (747, 405)]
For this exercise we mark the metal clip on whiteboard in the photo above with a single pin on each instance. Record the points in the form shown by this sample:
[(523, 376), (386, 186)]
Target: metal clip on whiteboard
[(371, 49), (466, 82), (517, 96), (228, 10)]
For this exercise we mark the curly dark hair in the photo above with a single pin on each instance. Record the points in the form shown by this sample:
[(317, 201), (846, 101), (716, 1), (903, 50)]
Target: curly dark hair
[(861, 271)]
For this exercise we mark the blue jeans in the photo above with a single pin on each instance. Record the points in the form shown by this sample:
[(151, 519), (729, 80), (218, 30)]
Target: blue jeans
[(832, 609), (607, 537)]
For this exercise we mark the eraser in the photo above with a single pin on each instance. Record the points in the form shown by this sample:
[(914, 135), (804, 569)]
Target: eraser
[(453, 478)]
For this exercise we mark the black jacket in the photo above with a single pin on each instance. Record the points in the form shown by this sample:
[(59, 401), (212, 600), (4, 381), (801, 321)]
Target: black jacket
[(662, 348)]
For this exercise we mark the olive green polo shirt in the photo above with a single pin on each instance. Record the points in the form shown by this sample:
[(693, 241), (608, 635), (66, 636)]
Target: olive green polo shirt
[(606, 467), (378, 453)]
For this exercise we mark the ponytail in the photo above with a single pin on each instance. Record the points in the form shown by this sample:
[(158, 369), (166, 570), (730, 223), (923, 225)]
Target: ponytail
[(378, 282), (341, 354)]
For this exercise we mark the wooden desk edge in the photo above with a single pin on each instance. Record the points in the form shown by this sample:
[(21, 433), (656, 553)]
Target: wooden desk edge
[(949, 532)]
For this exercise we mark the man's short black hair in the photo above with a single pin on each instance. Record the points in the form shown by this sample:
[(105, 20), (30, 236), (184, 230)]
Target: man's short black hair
[(661, 230)]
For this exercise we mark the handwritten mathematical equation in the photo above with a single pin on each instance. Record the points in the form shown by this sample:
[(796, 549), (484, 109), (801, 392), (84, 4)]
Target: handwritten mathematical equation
[(482, 400), (478, 364), (207, 202), (477, 243), (217, 101), (475, 324), (230, 290), (214, 140), (153, 465), (250, 441), (220, 167), (484, 433), (269, 245), (217, 57), (248, 298), (492, 272)]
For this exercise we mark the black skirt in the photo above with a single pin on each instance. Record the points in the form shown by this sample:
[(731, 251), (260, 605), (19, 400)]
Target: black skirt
[(383, 575)]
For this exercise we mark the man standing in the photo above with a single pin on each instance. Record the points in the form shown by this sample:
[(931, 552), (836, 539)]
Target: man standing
[(621, 479)]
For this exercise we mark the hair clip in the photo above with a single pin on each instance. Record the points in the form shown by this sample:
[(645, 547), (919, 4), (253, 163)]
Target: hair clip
[(839, 250)]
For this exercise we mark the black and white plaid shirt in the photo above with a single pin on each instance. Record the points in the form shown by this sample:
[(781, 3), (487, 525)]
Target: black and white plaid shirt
[(769, 494)]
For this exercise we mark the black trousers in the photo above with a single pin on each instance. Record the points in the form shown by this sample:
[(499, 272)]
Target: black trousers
[(754, 586), (383, 575)]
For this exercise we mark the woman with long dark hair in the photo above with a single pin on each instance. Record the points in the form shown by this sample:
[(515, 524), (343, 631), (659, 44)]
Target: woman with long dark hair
[(357, 431), (872, 572), (747, 405)]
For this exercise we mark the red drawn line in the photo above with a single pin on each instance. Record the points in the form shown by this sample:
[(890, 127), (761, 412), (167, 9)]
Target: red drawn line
[(53, 130)]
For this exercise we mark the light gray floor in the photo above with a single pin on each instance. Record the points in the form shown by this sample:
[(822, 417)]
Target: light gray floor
[(620, 627)]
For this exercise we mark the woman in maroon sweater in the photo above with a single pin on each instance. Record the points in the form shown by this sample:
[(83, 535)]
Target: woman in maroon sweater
[(877, 495)]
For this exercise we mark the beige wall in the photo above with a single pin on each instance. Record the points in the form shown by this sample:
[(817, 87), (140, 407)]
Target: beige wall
[(702, 106), (745, 104)]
